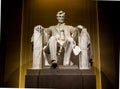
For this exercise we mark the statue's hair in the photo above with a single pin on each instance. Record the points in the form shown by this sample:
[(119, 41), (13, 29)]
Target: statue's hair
[(60, 13)]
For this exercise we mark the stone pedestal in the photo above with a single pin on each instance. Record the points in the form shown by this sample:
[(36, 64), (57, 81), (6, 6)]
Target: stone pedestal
[(31, 78), (60, 78)]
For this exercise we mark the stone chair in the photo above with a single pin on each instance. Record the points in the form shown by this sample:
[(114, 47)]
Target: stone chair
[(42, 59)]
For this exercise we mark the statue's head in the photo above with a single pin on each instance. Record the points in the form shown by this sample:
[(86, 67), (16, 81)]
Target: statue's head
[(61, 16)]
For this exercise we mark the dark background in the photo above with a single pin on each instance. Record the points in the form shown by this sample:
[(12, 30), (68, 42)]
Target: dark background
[(11, 19), (109, 26)]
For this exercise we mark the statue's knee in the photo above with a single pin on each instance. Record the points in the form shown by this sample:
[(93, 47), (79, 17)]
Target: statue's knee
[(70, 40), (52, 39)]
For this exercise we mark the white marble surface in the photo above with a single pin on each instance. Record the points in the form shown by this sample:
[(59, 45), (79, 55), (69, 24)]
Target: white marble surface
[(37, 48), (84, 41)]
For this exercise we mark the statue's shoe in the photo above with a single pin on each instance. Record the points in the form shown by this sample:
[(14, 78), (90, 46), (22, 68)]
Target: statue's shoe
[(53, 64)]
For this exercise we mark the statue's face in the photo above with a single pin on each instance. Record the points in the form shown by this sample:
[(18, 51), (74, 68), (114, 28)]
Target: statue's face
[(61, 18)]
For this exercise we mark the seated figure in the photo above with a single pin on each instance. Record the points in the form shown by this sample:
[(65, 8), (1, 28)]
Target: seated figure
[(59, 37)]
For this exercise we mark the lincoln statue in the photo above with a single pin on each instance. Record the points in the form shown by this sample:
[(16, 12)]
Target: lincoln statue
[(61, 37)]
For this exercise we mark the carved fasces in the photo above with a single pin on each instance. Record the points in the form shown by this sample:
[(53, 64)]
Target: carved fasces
[(37, 47), (84, 43)]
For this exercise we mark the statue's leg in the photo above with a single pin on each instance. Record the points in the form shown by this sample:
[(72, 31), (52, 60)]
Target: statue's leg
[(68, 49), (71, 63), (53, 48), (45, 58)]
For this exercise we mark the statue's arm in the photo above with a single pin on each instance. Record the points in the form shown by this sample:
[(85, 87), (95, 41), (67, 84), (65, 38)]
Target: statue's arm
[(47, 34), (73, 32)]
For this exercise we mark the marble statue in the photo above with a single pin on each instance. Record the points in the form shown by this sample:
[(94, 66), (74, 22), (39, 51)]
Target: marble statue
[(85, 46), (59, 37)]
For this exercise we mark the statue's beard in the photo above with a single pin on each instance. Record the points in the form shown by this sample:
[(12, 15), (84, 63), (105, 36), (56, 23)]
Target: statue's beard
[(61, 21)]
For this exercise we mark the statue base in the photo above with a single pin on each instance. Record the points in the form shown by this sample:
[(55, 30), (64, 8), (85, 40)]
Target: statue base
[(60, 78)]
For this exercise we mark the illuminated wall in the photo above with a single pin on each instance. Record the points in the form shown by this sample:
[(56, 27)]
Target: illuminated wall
[(43, 12)]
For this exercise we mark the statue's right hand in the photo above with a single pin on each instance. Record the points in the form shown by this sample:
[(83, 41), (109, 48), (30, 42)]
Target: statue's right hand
[(39, 27)]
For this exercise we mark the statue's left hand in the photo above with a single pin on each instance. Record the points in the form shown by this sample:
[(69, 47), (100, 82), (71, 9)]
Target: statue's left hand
[(80, 27)]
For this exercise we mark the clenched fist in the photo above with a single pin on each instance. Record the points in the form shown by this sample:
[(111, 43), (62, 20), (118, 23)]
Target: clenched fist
[(39, 28)]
